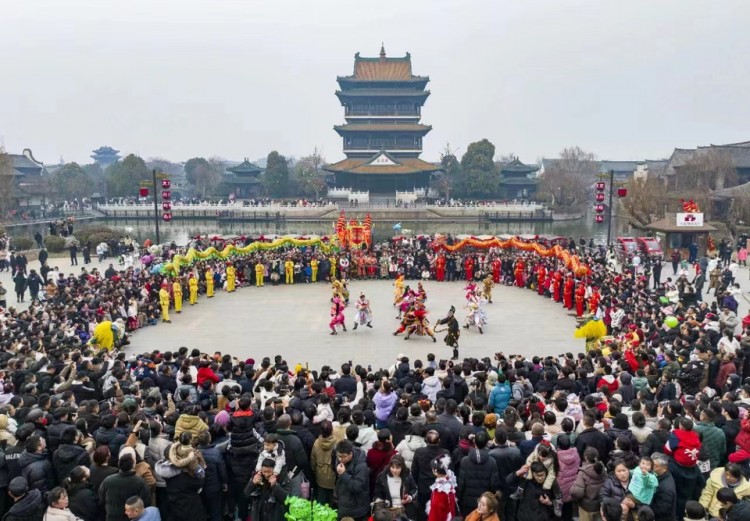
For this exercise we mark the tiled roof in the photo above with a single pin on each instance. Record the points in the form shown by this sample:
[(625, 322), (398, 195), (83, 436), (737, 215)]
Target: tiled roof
[(517, 166), (678, 158), (404, 166), (518, 181), (246, 167), (106, 151), (618, 166), (742, 190), (377, 127), (669, 224), (399, 93), (234, 179), (383, 68)]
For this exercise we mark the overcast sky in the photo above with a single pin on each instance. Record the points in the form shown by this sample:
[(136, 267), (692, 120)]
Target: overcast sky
[(176, 79)]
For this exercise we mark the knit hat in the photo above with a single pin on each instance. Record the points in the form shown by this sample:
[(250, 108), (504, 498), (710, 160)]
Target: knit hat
[(221, 419), (18, 486)]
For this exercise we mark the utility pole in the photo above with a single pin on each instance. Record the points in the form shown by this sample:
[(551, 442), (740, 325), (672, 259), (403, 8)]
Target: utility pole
[(156, 207), (609, 212)]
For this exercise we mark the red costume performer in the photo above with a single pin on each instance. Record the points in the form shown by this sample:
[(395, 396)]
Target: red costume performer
[(496, 264), (518, 272), (469, 268), (594, 301), (541, 275), (568, 293), (557, 286), (580, 299), (440, 268)]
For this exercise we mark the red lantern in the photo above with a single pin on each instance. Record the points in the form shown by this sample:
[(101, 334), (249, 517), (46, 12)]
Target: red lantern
[(600, 186), (598, 208), (599, 198), (143, 192), (598, 219), (167, 217), (166, 206), (622, 192), (166, 183), (166, 195)]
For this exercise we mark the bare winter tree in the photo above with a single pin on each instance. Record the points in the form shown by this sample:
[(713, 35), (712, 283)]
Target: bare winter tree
[(645, 200), (708, 169), (309, 175), (566, 180)]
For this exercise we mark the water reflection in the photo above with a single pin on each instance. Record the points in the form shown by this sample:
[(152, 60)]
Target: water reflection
[(179, 231)]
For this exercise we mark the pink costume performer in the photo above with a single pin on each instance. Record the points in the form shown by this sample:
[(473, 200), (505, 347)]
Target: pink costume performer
[(337, 315)]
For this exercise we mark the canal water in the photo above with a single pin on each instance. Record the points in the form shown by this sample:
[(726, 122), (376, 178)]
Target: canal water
[(179, 231)]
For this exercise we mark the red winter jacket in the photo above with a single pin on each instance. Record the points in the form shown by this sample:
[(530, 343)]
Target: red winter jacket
[(442, 506), (684, 447), (743, 438), (205, 373)]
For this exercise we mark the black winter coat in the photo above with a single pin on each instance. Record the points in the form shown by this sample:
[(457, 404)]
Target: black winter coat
[(408, 487), (216, 470), (478, 474), (654, 442), (84, 502), (184, 498), (37, 470), (118, 488), (112, 438), (597, 439), (421, 469), (294, 453), (529, 507), (613, 489), (664, 503), (66, 458), (29, 508), (508, 460), (353, 488), (266, 502), (245, 445)]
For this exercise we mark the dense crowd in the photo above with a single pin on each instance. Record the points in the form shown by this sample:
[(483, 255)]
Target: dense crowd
[(650, 422)]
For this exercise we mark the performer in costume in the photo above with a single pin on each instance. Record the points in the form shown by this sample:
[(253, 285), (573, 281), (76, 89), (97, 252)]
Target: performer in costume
[(568, 292), (260, 272), (407, 321), (164, 302), (592, 329), (557, 286), (518, 272), (314, 267), (594, 300), (440, 268), (421, 325), (337, 315), (580, 295), (398, 289), (541, 276), (177, 294), (453, 331), (334, 264), (209, 283), (193, 289), (421, 292), (488, 283), (231, 277), (363, 315), (496, 265), (476, 315), (289, 271), (469, 268)]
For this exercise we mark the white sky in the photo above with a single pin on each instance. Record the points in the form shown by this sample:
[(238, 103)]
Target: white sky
[(180, 78)]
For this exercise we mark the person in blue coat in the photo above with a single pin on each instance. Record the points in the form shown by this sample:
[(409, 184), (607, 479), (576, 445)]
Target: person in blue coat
[(500, 395)]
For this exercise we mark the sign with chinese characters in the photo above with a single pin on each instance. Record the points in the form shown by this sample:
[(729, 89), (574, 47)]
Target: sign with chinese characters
[(690, 220)]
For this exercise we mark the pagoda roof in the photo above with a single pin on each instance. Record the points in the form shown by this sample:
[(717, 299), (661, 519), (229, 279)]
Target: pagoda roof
[(383, 127), (382, 163), (234, 179), (106, 150), (517, 166), (518, 181), (395, 93), (383, 68), (246, 167)]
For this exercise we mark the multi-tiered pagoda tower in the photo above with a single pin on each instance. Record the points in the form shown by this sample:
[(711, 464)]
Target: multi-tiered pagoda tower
[(382, 136)]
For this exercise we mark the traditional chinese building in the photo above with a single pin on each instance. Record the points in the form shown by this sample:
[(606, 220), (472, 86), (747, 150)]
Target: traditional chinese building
[(243, 181), (382, 137), (105, 156), (518, 180)]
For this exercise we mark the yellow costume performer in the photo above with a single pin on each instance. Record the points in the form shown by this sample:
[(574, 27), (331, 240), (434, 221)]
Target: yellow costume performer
[(209, 283), (398, 289), (334, 264), (193, 288), (314, 266), (164, 302), (592, 329), (103, 336), (289, 271), (231, 278), (177, 294), (487, 289), (338, 289), (260, 272)]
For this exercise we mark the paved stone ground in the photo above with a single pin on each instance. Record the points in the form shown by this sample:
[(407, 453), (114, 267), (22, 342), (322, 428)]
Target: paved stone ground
[(293, 321)]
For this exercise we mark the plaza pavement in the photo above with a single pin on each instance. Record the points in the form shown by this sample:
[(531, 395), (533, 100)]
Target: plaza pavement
[(293, 321)]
